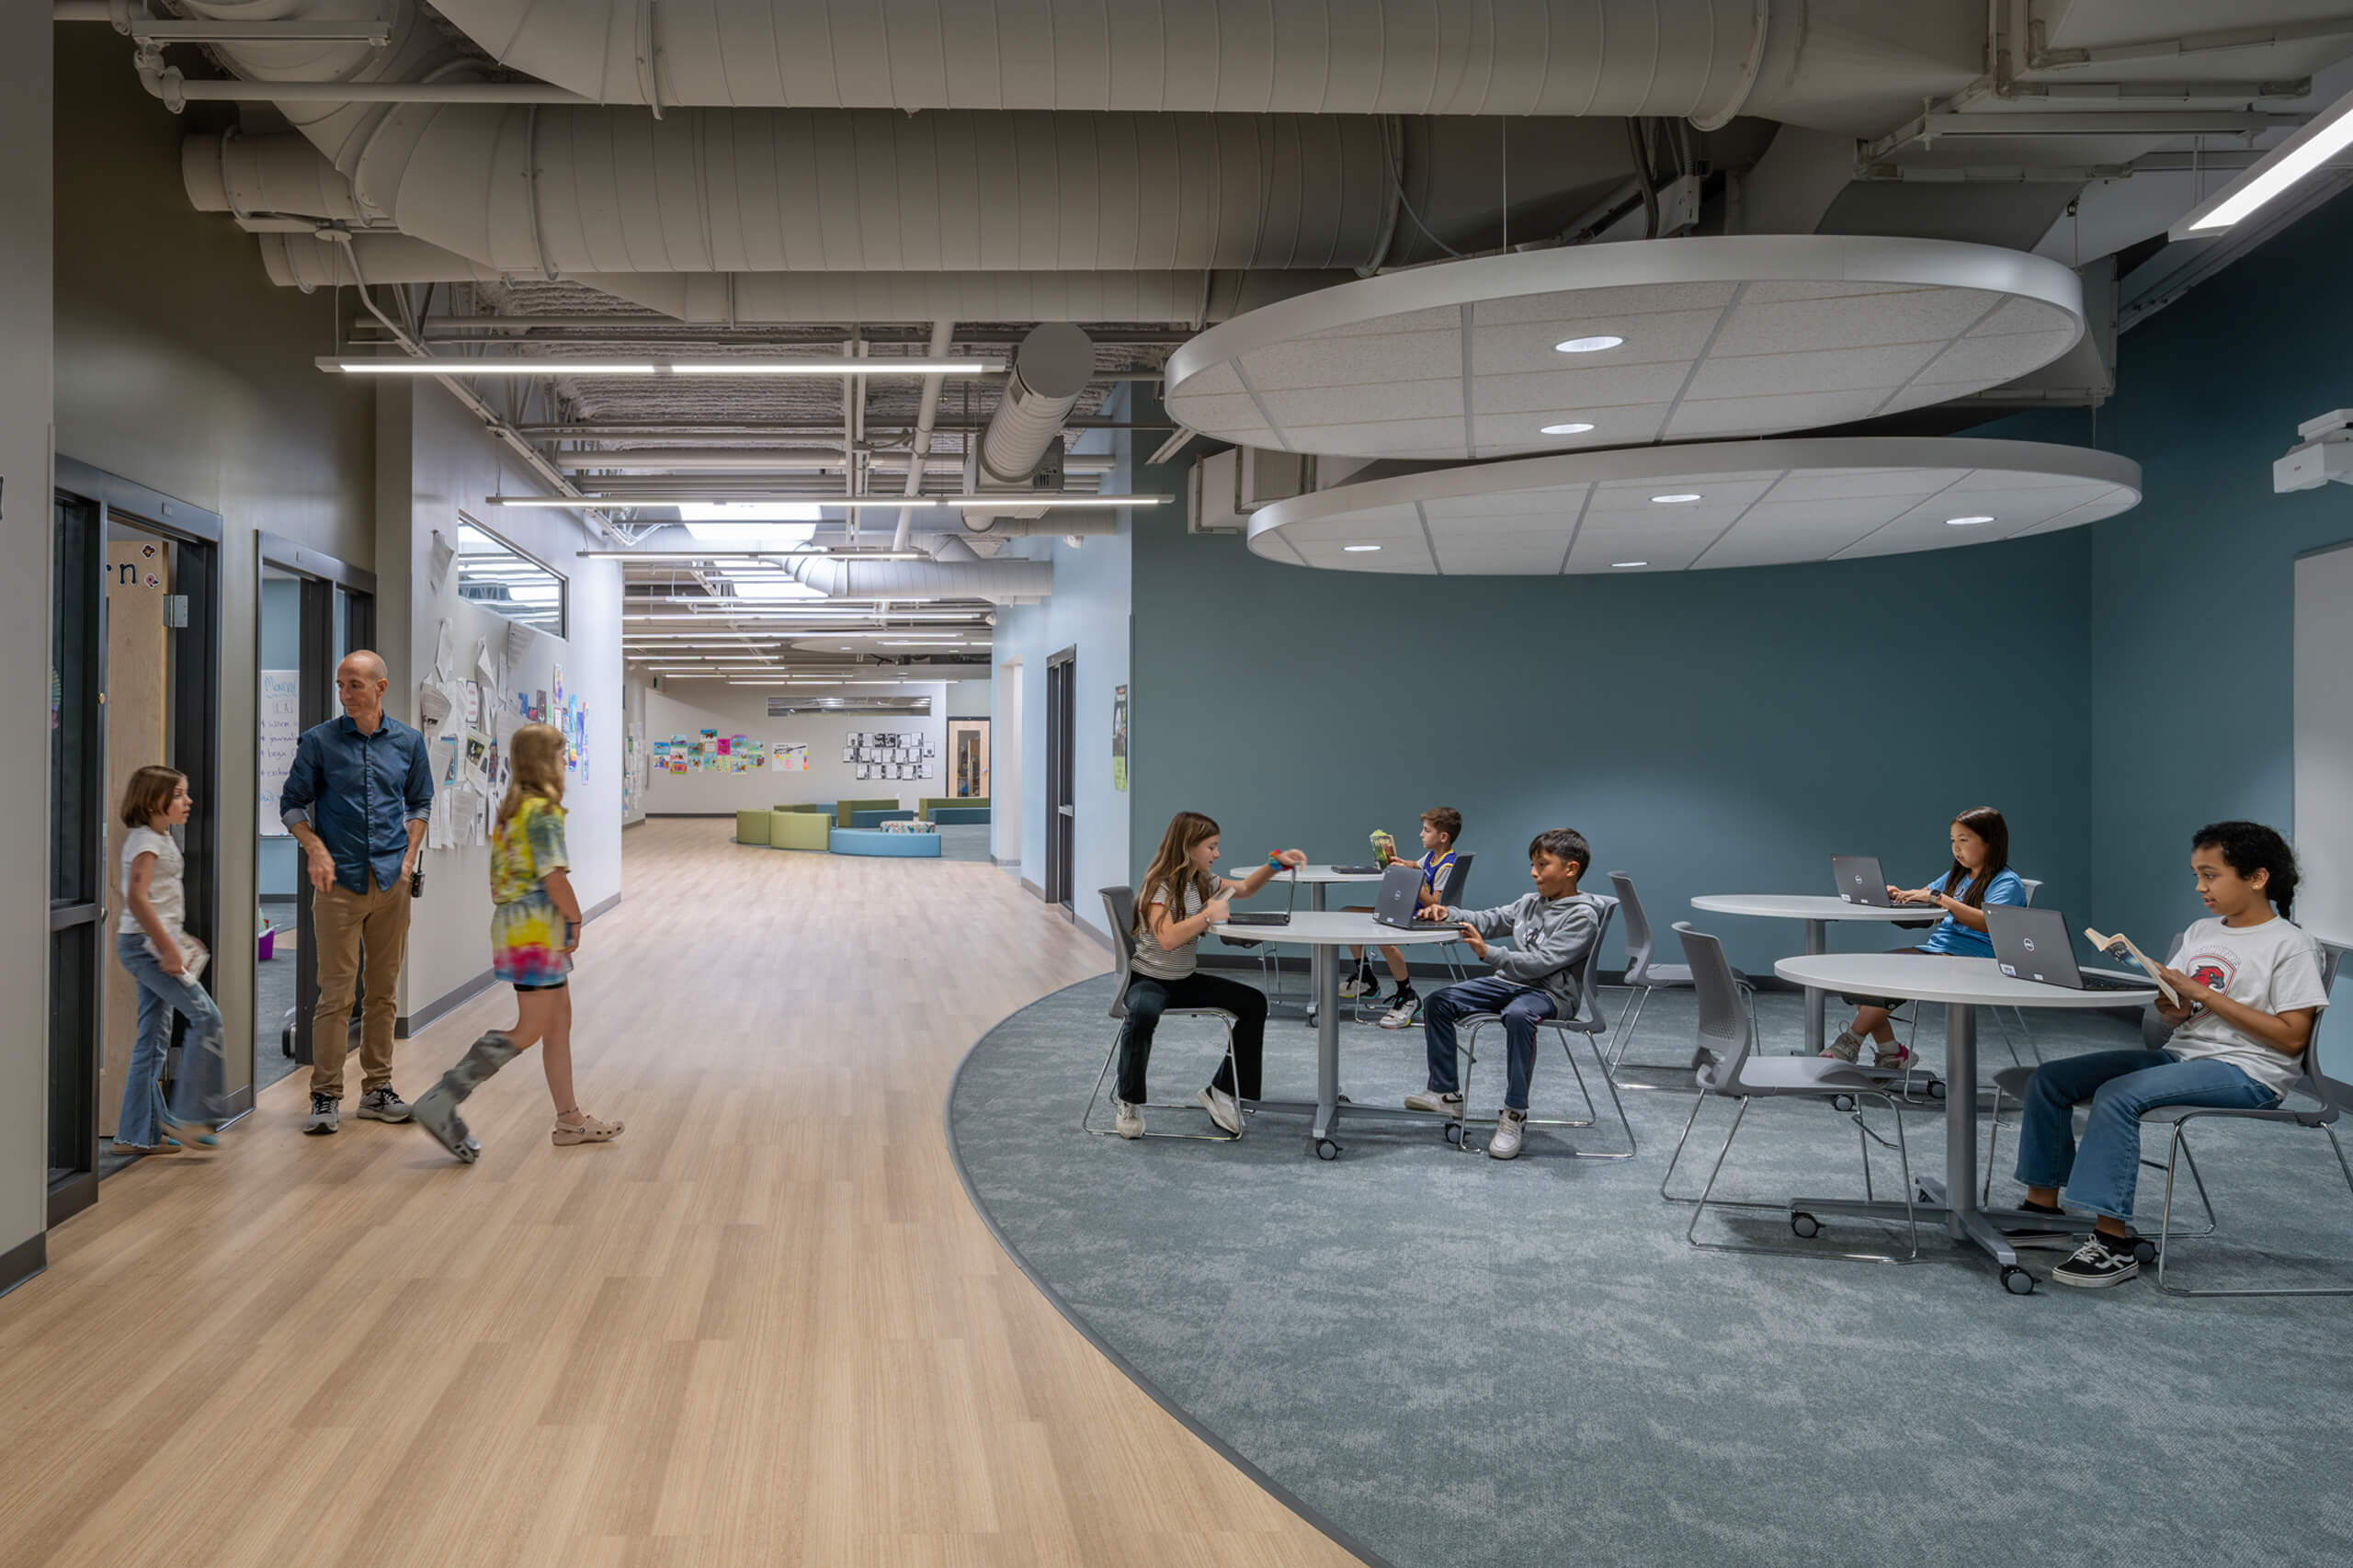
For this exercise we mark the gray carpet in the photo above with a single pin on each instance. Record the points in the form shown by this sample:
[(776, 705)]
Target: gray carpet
[(963, 841), (1452, 1359)]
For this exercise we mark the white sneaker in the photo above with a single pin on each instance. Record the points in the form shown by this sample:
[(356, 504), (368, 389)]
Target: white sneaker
[(1430, 1100), (1846, 1047), (1509, 1126), (1403, 1009), (1223, 1109), (1126, 1120)]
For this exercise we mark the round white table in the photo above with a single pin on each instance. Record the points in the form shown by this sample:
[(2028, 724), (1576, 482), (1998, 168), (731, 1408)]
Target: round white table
[(1324, 933), (1963, 985), (1315, 878), (1817, 913)]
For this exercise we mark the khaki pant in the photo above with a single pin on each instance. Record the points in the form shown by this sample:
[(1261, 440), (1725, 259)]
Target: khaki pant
[(341, 920)]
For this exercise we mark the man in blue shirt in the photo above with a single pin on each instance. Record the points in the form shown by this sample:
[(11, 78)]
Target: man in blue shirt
[(356, 798)]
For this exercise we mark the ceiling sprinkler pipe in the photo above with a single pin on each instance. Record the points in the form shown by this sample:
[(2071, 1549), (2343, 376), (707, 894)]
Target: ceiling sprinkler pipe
[(919, 449)]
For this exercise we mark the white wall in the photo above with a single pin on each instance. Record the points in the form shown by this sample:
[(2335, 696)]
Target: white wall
[(687, 706), (432, 458), (24, 436)]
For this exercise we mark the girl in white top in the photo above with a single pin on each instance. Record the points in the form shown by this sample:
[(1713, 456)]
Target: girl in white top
[(2250, 989), (153, 943)]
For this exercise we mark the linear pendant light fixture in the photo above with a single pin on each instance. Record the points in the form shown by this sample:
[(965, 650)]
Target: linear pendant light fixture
[(848, 503), (2312, 146), (817, 553), (518, 365)]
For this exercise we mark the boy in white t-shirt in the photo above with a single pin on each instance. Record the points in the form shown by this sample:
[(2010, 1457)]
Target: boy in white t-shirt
[(2240, 1045)]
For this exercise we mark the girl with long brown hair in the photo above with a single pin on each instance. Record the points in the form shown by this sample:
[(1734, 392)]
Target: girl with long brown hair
[(153, 943), (1182, 896), (1980, 874), (534, 930)]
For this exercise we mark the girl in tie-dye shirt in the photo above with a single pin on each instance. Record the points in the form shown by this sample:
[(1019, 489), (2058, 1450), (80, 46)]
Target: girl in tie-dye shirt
[(533, 930)]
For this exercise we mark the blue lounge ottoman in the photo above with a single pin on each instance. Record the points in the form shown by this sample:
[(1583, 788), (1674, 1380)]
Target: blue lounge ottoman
[(874, 841)]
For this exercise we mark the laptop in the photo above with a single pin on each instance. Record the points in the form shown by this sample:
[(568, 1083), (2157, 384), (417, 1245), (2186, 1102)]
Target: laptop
[(1400, 897), (1268, 917), (1858, 881), (2031, 944)]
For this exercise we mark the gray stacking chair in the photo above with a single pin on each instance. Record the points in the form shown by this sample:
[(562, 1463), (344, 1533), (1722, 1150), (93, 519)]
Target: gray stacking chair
[(2333, 1098), (1119, 908), (2002, 1016), (1732, 1069), (1589, 1021), (1644, 974)]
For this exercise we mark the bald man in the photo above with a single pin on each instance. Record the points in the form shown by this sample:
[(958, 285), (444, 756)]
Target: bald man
[(356, 799)]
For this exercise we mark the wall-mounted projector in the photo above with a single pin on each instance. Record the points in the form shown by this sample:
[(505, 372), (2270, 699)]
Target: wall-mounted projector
[(2325, 453)]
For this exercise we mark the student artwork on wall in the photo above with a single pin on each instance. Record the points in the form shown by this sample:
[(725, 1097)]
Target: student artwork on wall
[(889, 755), (1119, 737), (791, 759), (710, 752)]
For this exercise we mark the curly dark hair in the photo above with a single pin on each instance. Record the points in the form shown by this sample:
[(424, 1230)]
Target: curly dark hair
[(1563, 844), (2248, 848)]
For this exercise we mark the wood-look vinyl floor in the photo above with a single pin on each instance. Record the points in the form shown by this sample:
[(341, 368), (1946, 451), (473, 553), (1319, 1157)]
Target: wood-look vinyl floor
[(764, 1327)]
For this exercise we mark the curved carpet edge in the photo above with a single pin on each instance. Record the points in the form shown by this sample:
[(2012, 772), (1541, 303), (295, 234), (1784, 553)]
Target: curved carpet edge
[(1111, 1353)]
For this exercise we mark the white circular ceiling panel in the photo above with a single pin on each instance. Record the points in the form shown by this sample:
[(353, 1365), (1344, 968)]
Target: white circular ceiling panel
[(1680, 508), (1665, 340)]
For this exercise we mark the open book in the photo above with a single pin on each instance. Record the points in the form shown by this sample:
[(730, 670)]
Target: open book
[(2121, 946)]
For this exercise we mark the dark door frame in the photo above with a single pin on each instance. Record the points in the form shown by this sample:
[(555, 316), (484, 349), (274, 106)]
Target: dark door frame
[(1062, 779), (321, 576), (195, 730)]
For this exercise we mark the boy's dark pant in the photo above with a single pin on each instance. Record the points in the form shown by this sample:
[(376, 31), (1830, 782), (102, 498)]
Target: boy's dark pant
[(1521, 1007), (1148, 998)]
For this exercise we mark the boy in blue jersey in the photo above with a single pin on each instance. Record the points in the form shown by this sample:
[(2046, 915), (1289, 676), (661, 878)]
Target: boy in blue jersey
[(1441, 825)]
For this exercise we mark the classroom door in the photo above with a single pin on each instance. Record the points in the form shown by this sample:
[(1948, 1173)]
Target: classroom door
[(77, 888), (1061, 794), (968, 758)]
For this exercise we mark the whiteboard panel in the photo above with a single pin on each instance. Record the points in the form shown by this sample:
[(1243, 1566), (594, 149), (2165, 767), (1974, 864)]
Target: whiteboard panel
[(2323, 707)]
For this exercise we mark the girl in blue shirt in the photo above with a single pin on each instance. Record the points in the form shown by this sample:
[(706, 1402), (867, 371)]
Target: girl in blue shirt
[(1980, 875)]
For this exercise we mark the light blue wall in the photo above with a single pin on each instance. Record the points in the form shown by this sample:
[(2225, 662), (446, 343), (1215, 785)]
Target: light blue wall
[(2192, 660), (1710, 732)]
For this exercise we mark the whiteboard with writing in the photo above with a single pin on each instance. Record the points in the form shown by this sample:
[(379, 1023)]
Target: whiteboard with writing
[(278, 724)]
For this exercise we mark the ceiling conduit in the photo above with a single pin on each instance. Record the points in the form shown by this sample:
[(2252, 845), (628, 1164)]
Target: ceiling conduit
[(1797, 60)]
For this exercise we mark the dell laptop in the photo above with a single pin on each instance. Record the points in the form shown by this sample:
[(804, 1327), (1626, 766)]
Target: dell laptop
[(2031, 944), (1401, 890), (1858, 881), (1268, 916)]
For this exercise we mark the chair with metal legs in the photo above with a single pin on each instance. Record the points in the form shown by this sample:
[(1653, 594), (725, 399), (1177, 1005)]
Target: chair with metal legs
[(2001, 1016), (1588, 1021), (1644, 974), (1731, 1069), (1120, 909)]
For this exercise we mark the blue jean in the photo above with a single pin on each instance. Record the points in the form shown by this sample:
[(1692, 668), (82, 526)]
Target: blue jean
[(160, 994), (1521, 1008), (2102, 1174)]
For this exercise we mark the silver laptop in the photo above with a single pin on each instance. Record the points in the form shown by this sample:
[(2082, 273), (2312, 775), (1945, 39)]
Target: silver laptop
[(1858, 881), (2031, 944), (1268, 916), (1401, 888)]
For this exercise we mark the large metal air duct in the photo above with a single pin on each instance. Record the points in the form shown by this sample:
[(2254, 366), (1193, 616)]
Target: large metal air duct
[(1001, 581), (1051, 370)]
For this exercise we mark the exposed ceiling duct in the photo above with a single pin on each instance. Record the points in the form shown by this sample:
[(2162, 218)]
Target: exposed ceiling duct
[(1000, 581), (1842, 64), (1049, 370)]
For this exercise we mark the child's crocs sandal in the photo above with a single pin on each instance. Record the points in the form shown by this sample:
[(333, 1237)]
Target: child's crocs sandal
[(590, 1130)]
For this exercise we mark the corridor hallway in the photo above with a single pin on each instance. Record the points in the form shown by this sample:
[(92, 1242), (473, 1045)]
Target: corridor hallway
[(764, 1328)]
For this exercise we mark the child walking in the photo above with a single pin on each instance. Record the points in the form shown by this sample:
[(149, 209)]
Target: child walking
[(152, 943), (533, 932)]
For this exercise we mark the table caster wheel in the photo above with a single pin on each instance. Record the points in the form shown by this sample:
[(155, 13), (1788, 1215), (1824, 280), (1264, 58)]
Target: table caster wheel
[(1935, 1088), (2145, 1252), (1453, 1133), (1843, 1104), (1326, 1150), (2016, 1280), (1805, 1226)]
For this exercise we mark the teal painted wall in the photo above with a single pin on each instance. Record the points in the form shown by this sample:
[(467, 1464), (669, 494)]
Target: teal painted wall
[(1711, 731), (2192, 592)]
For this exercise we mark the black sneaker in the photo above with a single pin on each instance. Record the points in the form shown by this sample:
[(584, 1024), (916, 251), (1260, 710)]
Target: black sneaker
[(2094, 1265), (326, 1114), (382, 1105)]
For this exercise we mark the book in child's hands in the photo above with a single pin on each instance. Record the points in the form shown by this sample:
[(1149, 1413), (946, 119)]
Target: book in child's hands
[(193, 954), (2121, 946)]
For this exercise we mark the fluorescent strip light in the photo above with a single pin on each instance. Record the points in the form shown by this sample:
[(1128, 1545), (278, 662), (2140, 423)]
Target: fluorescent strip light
[(751, 556), (846, 503), (2315, 141), (513, 366)]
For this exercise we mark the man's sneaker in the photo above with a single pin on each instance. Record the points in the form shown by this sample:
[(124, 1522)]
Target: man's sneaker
[(2094, 1265), (382, 1105), (1403, 1009), (1504, 1145), (1846, 1047), (326, 1114), (1126, 1120), (1221, 1109), (1430, 1100)]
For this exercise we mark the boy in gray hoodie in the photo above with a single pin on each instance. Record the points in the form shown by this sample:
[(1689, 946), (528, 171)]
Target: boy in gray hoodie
[(1551, 930)]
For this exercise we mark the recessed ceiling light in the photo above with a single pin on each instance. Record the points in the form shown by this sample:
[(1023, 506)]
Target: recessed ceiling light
[(1965, 522), (1586, 344), (1621, 566), (1573, 428), (1680, 498), (1359, 549)]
